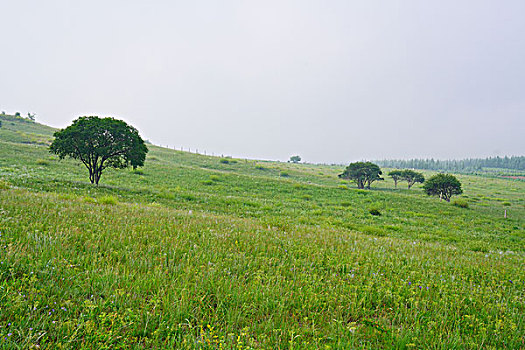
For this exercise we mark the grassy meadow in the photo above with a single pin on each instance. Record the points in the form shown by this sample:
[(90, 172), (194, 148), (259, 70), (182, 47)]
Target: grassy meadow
[(204, 252)]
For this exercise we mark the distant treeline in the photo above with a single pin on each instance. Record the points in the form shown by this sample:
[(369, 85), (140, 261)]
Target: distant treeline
[(464, 165)]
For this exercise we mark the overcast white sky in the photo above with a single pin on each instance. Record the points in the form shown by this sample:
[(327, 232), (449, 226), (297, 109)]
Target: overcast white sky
[(332, 81)]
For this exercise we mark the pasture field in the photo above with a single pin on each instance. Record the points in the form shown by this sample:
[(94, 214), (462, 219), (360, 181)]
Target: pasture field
[(203, 252)]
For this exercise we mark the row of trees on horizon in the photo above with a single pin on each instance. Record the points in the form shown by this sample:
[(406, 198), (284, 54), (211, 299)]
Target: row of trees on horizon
[(470, 164)]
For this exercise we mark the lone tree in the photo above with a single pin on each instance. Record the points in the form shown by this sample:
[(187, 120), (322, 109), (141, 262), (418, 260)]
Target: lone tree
[(443, 185), (363, 173), (396, 175), (412, 177), (295, 159), (100, 143)]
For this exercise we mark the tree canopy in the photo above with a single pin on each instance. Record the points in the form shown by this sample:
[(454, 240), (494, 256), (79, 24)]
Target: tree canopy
[(295, 159), (363, 173), (396, 175), (443, 185), (411, 177), (100, 143)]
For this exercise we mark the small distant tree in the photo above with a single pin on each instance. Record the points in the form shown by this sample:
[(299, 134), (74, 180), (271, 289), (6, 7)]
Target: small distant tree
[(363, 173), (443, 185), (31, 116), (412, 177), (396, 175), (17, 114), (100, 143), (295, 159)]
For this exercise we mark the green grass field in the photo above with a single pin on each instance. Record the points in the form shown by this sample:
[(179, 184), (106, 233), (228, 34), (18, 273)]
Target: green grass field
[(195, 252)]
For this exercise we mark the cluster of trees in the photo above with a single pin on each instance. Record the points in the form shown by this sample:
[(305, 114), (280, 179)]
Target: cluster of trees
[(410, 176), (365, 173), (30, 116), (100, 143), (464, 165)]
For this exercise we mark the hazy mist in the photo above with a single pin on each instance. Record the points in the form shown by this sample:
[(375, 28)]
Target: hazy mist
[(332, 81)]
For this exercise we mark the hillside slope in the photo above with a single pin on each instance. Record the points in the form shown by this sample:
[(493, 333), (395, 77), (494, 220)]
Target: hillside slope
[(197, 251)]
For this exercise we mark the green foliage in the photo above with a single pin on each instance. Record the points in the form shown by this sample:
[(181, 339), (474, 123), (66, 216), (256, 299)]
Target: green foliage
[(215, 178), (443, 185), (363, 173), (228, 160), (260, 167), (295, 159), (374, 211), (100, 143), (4, 185), (460, 203), (109, 200), (88, 199), (43, 162), (307, 197), (284, 174), (396, 175), (411, 177)]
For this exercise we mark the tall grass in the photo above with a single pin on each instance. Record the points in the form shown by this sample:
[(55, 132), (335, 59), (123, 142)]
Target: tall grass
[(203, 254)]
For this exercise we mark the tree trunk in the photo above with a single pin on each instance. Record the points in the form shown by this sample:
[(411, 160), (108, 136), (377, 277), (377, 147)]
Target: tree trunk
[(91, 175)]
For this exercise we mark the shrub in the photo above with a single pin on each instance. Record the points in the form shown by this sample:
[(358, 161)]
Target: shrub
[(506, 204), (138, 172), (342, 187), (346, 204), (208, 182), (110, 200), (284, 174), (42, 162), (4, 185), (188, 197), (306, 197), (374, 231), (88, 199), (260, 167), (374, 211), (461, 203), (214, 177), (224, 161), (479, 246)]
